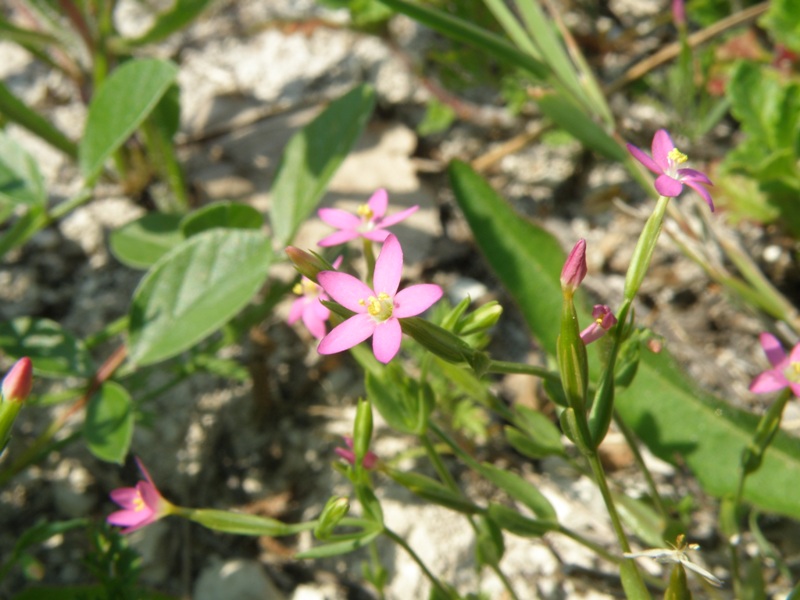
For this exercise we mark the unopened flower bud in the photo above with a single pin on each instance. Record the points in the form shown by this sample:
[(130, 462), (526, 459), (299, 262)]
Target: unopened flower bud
[(679, 13), (18, 382), (335, 510), (604, 320), (574, 269), (307, 263), (481, 318)]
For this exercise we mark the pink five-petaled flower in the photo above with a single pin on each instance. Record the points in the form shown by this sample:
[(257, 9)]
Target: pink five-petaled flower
[(785, 371), (377, 311), (604, 320), (664, 163), (370, 458), (369, 221), (141, 505), (309, 307)]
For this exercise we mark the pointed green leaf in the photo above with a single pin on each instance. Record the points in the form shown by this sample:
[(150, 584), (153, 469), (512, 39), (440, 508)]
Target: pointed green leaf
[(53, 350), (20, 179), (179, 15), (195, 289), (513, 522), (521, 490), (140, 243), (311, 158), (108, 428), (120, 105)]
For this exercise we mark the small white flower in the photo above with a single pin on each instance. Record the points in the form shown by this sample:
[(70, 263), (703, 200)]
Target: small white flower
[(677, 554)]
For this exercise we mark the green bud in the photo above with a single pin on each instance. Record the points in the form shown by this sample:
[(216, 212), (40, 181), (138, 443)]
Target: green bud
[(481, 319), (362, 431), (336, 508), (438, 340), (308, 263), (573, 364), (678, 588)]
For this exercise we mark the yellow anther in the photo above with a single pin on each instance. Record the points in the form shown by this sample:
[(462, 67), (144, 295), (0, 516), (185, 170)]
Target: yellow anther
[(298, 289), (677, 156), (138, 503), (380, 307), (792, 372), (365, 212)]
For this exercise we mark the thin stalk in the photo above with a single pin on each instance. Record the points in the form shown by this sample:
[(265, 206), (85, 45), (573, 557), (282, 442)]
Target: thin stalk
[(162, 152), (637, 456), (502, 366), (431, 577), (602, 483), (369, 256), (596, 548)]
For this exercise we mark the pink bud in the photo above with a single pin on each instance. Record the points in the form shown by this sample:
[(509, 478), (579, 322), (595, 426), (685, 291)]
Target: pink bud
[(370, 458), (679, 13), (575, 268), (19, 381)]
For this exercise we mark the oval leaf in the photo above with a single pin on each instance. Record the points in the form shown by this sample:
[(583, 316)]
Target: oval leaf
[(140, 243), (108, 428), (54, 351), (120, 105), (521, 490), (230, 215), (195, 289)]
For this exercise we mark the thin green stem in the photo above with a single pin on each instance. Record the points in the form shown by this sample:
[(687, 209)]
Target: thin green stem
[(415, 557), (602, 483), (502, 366), (369, 256), (596, 548), (637, 456)]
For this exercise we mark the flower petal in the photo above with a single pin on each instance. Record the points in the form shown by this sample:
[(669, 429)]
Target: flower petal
[(643, 158), (341, 219), (338, 237), (388, 267), (415, 299), (126, 518), (378, 203), (345, 289), (768, 381), (386, 340), (772, 348), (376, 235), (703, 192), (350, 333), (693, 175), (397, 217), (667, 186), (662, 146), (297, 309), (124, 496), (313, 322), (794, 355)]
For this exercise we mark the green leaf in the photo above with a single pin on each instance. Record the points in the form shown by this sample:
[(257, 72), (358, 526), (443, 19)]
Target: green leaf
[(311, 158), (540, 430), (54, 351), (20, 179), (433, 491), (120, 105), (469, 33), (140, 243), (177, 17), (14, 109), (660, 402), (527, 259), (782, 24), (340, 547), (38, 533), (399, 400), (521, 490), (195, 289), (513, 522), (230, 215), (570, 117), (108, 428), (243, 523)]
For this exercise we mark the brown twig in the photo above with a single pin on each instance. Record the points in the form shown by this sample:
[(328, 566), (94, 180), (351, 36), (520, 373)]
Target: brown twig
[(668, 53)]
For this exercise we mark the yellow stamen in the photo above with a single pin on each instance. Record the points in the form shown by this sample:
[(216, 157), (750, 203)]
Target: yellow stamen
[(380, 307), (677, 156), (138, 504), (298, 289), (365, 212), (792, 372)]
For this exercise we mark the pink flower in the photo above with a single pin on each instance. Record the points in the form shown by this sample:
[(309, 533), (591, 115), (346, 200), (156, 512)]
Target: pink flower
[(369, 220), (785, 371), (604, 320), (377, 311), (679, 13), (370, 458), (664, 163), (309, 307), (141, 505), (18, 381), (574, 268)]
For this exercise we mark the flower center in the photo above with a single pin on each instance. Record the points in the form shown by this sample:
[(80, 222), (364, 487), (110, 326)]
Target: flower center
[(379, 308), (367, 217), (138, 503), (306, 287), (792, 372)]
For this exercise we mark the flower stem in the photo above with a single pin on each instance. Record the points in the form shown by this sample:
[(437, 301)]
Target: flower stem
[(502, 366), (415, 557)]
